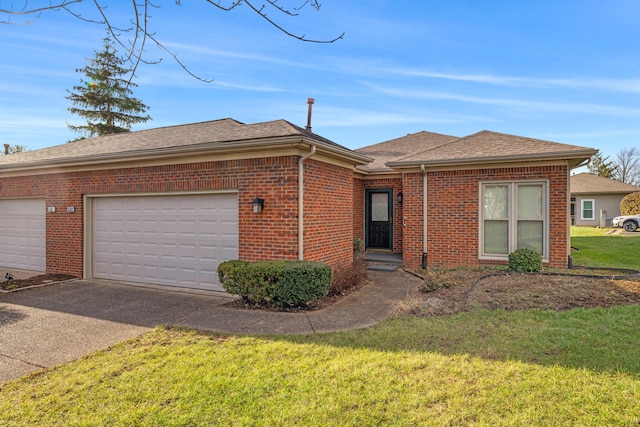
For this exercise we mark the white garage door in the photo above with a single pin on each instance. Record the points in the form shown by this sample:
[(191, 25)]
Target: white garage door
[(23, 234), (175, 240)]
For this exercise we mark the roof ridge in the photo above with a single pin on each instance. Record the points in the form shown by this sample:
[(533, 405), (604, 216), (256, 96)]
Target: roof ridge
[(405, 136), (435, 147)]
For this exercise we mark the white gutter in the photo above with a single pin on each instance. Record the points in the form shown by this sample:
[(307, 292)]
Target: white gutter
[(301, 202)]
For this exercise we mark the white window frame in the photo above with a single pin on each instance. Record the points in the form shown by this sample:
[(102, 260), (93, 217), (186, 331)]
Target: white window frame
[(593, 210), (512, 203)]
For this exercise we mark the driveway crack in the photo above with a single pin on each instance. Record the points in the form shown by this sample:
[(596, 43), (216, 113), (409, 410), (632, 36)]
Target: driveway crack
[(23, 361)]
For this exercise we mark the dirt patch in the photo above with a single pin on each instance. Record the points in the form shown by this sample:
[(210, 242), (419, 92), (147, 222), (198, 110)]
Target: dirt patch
[(513, 291), (41, 279)]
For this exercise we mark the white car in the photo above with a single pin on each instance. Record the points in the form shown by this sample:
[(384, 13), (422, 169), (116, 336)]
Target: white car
[(628, 222)]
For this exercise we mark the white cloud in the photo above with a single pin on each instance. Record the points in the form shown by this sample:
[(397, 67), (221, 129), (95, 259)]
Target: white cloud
[(618, 85), (537, 106)]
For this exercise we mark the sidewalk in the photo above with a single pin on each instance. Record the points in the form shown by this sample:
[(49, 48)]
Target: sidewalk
[(47, 326)]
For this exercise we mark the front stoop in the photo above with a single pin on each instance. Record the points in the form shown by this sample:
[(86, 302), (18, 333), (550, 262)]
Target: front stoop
[(383, 261)]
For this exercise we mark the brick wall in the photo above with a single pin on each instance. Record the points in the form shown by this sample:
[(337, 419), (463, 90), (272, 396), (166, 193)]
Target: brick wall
[(271, 235), (328, 213), (452, 214), (412, 211), (358, 208)]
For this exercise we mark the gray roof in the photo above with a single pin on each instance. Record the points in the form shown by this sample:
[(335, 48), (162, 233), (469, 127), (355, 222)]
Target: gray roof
[(487, 147), (217, 134), (396, 149), (587, 183)]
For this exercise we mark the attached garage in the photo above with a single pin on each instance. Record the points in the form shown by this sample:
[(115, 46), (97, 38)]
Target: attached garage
[(175, 240), (23, 234)]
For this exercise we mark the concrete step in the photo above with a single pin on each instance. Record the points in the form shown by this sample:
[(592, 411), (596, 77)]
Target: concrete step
[(383, 261), (383, 267)]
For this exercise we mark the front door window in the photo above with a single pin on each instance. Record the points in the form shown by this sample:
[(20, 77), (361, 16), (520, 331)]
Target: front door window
[(379, 227)]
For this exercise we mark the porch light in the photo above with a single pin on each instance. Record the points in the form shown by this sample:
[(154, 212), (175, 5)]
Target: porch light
[(399, 198), (258, 205)]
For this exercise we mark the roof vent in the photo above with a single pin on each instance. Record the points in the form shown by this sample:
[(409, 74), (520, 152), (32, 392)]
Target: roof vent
[(310, 102)]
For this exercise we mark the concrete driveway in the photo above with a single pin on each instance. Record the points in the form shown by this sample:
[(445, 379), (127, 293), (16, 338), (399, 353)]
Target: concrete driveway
[(51, 325)]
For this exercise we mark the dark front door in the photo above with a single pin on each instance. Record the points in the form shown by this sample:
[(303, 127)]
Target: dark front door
[(379, 219)]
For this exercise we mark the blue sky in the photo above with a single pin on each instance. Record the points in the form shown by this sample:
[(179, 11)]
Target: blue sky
[(565, 71)]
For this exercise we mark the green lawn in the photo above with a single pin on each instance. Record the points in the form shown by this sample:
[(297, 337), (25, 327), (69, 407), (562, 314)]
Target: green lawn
[(481, 368), (484, 368), (598, 249)]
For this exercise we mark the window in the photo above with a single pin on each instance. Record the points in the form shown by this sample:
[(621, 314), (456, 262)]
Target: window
[(587, 209), (514, 215)]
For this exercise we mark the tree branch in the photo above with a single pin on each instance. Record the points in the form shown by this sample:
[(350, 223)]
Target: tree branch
[(140, 24)]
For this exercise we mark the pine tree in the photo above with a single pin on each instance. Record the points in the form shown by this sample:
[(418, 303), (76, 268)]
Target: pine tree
[(104, 98), (600, 166)]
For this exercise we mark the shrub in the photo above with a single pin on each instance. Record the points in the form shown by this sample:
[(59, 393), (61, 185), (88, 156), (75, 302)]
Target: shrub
[(302, 282), (358, 245), (525, 261), (630, 204), (348, 277), (283, 283), (231, 277), (436, 279)]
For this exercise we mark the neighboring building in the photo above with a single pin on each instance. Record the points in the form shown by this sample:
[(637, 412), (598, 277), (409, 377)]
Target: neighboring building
[(595, 200), (167, 205)]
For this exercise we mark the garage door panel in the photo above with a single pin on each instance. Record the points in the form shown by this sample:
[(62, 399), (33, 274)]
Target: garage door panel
[(176, 240), (23, 234)]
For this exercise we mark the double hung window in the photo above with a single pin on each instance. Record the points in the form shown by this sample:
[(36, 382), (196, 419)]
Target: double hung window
[(587, 209), (513, 215)]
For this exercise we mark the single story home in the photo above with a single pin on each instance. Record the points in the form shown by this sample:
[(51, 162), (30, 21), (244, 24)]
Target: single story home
[(167, 205), (597, 199)]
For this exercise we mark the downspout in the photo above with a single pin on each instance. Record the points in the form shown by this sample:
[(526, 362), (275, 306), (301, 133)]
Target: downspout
[(301, 202), (424, 217)]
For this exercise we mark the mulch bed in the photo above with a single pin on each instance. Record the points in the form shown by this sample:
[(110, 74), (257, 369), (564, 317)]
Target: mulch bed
[(42, 279), (512, 291)]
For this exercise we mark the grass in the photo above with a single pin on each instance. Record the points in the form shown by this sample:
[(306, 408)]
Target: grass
[(479, 368), (483, 368), (597, 249)]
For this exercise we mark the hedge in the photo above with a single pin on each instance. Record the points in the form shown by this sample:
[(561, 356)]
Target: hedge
[(283, 283)]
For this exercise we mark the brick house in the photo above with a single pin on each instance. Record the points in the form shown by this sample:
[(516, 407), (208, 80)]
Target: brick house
[(166, 205)]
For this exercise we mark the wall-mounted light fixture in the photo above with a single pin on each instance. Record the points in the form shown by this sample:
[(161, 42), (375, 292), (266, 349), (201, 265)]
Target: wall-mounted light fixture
[(258, 205), (399, 198)]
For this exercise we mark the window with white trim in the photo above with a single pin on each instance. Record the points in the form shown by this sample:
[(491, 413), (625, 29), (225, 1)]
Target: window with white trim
[(513, 215), (587, 209)]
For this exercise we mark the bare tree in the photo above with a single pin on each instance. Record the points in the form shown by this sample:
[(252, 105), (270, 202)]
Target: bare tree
[(11, 149), (627, 166), (137, 34)]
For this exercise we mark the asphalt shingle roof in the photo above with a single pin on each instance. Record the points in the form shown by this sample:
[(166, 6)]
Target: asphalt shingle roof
[(587, 183), (396, 149), (488, 146), (222, 131)]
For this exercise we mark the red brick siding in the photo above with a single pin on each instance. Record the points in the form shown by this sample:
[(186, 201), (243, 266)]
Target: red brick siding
[(396, 185), (412, 210), (270, 235), (452, 214), (358, 209), (328, 213)]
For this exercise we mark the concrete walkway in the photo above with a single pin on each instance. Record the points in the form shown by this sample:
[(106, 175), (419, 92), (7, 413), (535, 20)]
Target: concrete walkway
[(47, 326)]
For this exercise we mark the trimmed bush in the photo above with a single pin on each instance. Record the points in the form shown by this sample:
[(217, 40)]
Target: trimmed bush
[(283, 283), (630, 204), (525, 261), (231, 277)]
